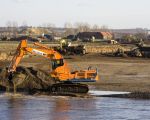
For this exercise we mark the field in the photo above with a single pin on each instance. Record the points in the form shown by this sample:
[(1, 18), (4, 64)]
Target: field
[(116, 73)]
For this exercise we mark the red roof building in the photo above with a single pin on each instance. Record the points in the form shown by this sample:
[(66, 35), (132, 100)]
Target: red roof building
[(96, 35)]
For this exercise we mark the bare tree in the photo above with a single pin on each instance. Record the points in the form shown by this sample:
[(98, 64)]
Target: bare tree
[(69, 30), (68, 25), (8, 25), (82, 27), (12, 27), (15, 24), (24, 24), (95, 27), (48, 28), (141, 36), (51, 25), (104, 28)]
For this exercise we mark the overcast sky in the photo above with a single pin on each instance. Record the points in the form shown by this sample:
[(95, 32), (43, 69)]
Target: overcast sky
[(113, 13)]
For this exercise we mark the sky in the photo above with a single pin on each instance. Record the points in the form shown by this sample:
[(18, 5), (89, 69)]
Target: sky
[(115, 14)]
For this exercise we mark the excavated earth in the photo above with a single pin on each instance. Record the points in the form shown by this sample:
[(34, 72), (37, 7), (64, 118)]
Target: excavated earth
[(26, 79)]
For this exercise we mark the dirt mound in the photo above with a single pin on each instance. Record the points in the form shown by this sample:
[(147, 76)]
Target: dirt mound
[(27, 79), (5, 56), (35, 31)]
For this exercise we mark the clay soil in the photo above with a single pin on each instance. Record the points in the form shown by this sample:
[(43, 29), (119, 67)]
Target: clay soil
[(116, 73)]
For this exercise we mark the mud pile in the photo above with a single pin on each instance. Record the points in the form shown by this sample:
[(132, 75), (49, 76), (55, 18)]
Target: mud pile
[(103, 49), (5, 56), (26, 79)]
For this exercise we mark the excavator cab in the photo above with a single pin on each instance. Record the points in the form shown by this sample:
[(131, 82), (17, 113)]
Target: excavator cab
[(57, 63)]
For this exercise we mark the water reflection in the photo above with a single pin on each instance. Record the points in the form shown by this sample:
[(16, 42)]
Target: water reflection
[(60, 110), (67, 108), (49, 108), (15, 108)]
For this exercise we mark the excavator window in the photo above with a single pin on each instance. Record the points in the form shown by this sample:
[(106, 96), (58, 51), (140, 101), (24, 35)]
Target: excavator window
[(56, 63)]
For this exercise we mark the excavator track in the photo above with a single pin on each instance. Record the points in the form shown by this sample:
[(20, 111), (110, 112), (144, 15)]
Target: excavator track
[(60, 88)]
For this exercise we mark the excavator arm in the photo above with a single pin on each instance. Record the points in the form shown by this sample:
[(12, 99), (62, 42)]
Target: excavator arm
[(20, 52), (60, 69)]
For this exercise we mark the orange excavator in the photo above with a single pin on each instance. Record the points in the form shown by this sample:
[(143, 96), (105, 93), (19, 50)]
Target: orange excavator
[(65, 80)]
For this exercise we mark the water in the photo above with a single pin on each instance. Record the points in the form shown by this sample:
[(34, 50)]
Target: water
[(72, 108), (100, 93)]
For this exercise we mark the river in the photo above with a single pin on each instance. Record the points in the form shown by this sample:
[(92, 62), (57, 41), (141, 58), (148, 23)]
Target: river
[(24, 107)]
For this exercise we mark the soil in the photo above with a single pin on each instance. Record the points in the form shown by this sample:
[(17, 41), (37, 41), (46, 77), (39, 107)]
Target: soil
[(116, 73)]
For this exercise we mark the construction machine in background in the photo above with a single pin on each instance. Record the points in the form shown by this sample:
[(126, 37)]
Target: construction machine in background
[(65, 80), (66, 48)]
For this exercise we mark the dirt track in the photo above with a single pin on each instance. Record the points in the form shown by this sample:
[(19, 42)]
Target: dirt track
[(119, 74)]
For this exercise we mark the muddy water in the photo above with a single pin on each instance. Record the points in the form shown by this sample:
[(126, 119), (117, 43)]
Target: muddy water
[(70, 108)]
